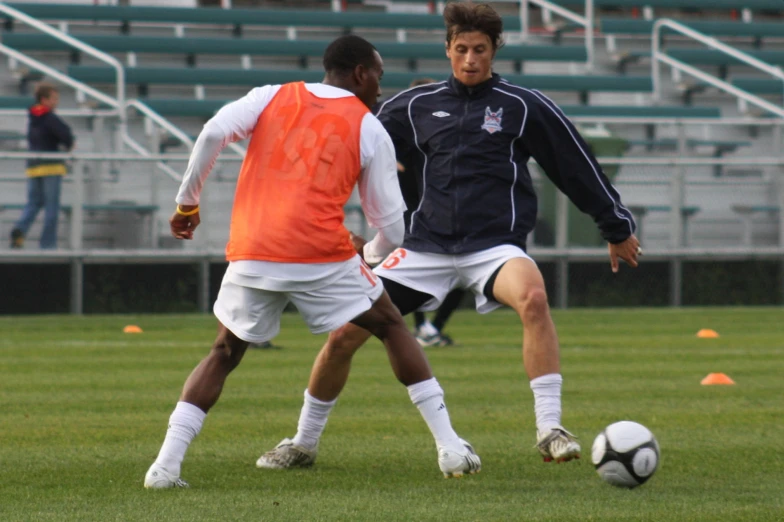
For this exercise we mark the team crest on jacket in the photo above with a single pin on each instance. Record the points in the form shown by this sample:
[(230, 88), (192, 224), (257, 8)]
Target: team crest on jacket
[(492, 122)]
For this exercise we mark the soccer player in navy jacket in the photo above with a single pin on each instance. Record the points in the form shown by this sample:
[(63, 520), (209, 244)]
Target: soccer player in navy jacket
[(472, 136)]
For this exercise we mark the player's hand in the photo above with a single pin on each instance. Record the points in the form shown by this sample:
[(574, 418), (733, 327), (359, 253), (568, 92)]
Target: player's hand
[(182, 227), (359, 244), (628, 250)]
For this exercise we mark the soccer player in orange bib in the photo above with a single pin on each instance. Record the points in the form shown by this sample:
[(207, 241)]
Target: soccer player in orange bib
[(310, 144)]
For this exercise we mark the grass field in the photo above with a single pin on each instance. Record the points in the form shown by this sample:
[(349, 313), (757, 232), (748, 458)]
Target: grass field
[(84, 407)]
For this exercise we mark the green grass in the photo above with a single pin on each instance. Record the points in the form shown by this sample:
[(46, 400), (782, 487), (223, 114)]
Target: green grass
[(84, 407)]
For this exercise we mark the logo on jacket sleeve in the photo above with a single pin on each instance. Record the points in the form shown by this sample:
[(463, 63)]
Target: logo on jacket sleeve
[(492, 122), (441, 114)]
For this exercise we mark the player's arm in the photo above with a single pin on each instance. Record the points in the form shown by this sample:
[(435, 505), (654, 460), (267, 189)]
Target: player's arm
[(393, 115), (379, 191), (566, 159), (234, 122)]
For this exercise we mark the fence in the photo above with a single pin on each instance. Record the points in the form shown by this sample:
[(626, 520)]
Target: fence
[(560, 257)]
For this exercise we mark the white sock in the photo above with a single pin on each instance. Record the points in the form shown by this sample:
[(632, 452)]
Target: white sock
[(547, 401), (427, 328), (312, 420), (429, 398), (184, 424)]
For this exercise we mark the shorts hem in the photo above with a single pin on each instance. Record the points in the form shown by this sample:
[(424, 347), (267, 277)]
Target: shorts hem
[(501, 262), (240, 332), (401, 280), (344, 318)]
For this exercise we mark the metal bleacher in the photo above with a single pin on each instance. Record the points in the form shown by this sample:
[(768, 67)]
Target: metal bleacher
[(298, 50), (183, 64)]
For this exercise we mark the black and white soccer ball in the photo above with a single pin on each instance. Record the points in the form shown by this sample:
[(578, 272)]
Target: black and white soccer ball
[(625, 454)]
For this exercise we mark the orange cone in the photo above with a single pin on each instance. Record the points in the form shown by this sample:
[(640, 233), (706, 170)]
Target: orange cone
[(707, 333), (132, 328), (716, 378)]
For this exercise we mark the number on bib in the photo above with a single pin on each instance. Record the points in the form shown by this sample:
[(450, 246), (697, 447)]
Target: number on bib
[(394, 258), (368, 273)]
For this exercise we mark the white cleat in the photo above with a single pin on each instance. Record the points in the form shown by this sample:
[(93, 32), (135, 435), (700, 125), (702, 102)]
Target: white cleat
[(457, 463), (286, 455), (159, 478), (557, 445)]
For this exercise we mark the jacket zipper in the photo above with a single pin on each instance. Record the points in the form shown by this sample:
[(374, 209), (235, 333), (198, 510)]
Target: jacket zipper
[(455, 199)]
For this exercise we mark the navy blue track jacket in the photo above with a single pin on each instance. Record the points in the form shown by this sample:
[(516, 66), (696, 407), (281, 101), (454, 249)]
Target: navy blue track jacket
[(470, 147)]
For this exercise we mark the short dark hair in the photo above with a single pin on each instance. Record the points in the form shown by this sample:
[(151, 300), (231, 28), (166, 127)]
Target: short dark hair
[(44, 90), (346, 52), (465, 17)]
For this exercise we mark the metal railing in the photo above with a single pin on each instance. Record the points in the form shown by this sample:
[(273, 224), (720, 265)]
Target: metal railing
[(172, 129), (744, 97), (676, 253), (118, 102), (61, 77), (587, 21), (151, 115)]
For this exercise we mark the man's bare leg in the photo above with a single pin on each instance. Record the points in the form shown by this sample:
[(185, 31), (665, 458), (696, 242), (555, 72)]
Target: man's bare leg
[(200, 393), (520, 285), (333, 363)]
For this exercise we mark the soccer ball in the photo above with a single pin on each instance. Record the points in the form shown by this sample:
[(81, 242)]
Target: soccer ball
[(625, 454)]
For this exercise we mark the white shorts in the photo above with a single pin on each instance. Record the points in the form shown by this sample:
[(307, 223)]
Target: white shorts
[(439, 274), (253, 313)]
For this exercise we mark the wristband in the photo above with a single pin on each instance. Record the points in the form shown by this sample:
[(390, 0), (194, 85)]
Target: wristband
[(188, 213)]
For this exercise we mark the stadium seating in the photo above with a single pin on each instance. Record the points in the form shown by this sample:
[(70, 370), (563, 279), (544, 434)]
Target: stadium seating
[(641, 210), (706, 5), (144, 76), (204, 76), (753, 85), (757, 30), (703, 57), (747, 213), (15, 102), (759, 85), (302, 49), (130, 214), (239, 17), (206, 108)]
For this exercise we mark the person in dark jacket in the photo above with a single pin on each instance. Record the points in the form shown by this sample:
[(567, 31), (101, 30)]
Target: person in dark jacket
[(470, 138), (46, 132), (428, 333)]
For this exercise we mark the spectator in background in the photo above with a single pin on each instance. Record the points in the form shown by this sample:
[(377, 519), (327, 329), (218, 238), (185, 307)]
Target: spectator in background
[(46, 132)]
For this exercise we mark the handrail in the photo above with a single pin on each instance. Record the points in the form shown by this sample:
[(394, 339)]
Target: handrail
[(171, 128), (73, 42), (135, 145), (586, 21), (218, 255), (671, 161), (71, 113), (160, 120), (657, 56), (60, 77), (119, 102), (621, 120)]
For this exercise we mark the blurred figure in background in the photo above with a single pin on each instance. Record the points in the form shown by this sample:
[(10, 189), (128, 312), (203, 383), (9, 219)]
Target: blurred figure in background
[(46, 132)]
